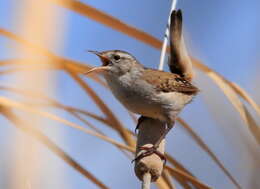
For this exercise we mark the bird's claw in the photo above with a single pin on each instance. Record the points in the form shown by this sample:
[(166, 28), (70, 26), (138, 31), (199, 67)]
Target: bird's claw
[(136, 128), (149, 151), (140, 120)]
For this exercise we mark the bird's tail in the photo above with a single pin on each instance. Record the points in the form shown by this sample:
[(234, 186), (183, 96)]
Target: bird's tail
[(179, 61)]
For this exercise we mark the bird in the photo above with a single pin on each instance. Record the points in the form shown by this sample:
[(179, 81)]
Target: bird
[(149, 92)]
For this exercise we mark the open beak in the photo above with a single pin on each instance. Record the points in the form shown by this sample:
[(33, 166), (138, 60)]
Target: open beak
[(97, 69), (102, 68), (104, 59)]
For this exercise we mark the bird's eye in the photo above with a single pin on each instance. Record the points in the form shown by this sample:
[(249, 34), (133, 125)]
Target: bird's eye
[(116, 57)]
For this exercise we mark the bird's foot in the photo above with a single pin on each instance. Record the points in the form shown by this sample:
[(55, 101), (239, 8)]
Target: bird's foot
[(149, 151)]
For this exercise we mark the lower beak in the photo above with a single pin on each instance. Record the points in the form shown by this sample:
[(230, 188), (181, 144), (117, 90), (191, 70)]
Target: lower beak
[(97, 69)]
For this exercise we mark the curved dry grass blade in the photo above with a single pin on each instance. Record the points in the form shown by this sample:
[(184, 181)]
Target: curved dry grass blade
[(178, 165), (108, 20), (13, 104), (105, 109), (19, 123), (198, 140), (85, 122), (53, 103), (182, 181), (167, 177), (233, 98), (57, 60), (245, 96), (191, 179), (162, 184)]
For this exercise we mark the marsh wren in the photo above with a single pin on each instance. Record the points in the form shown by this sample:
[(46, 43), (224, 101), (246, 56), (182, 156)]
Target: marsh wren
[(145, 91)]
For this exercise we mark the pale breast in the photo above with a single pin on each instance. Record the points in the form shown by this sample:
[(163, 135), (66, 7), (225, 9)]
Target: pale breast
[(136, 95), (142, 98)]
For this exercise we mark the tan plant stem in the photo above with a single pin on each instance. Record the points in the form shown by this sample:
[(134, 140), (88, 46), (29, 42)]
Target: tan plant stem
[(150, 131), (166, 36), (146, 181)]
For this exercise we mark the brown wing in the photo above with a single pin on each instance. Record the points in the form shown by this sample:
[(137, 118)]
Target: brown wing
[(169, 82)]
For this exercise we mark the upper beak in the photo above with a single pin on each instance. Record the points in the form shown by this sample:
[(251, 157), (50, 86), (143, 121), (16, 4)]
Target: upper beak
[(104, 60)]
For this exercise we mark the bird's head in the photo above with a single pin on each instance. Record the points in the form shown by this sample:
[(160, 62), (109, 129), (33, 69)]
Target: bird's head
[(114, 62)]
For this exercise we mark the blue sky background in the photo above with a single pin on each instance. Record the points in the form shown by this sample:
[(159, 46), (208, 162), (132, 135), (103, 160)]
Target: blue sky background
[(223, 34)]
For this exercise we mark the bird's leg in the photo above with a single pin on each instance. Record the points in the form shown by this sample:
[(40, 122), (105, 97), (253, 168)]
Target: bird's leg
[(140, 120), (153, 150), (169, 126)]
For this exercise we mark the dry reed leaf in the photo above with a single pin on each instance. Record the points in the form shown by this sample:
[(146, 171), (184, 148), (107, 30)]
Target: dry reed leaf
[(234, 99), (53, 103), (20, 106), (71, 110), (182, 181), (200, 142), (116, 24), (58, 61), (162, 184), (31, 131), (245, 96), (109, 21), (191, 179), (168, 179)]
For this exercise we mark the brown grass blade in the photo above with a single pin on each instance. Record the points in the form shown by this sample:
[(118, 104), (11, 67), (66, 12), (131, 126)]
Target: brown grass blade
[(182, 181), (58, 61), (191, 179), (23, 107), (245, 96), (52, 102), (234, 99), (200, 142), (178, 165), (31, 131), (162, 184), (108, 20), (76, 112), (168, 179)]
